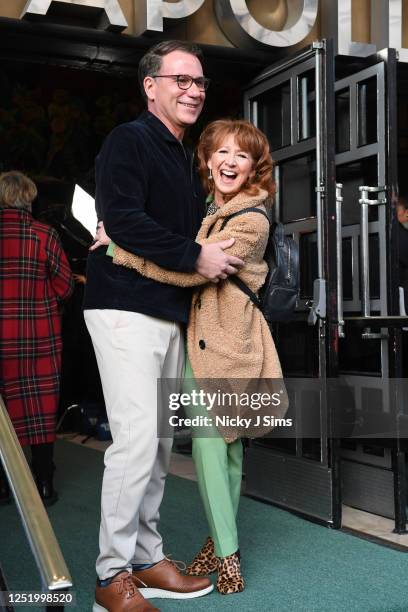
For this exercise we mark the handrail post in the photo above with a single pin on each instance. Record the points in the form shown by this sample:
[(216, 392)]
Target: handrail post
[(365, 202)]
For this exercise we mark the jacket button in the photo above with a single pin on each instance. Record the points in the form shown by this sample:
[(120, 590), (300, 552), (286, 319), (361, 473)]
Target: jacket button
[(201, 344)]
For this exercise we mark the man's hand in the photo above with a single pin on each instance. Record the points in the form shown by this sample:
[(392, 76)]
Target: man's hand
[(79, 278), (101, 237), (214, 264)]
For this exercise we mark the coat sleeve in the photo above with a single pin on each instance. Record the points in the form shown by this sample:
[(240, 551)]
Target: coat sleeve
[(122, 190), (250, 232), (59, 272)]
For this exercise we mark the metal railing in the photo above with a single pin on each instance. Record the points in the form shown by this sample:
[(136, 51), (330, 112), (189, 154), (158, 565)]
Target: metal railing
[(40, 534)]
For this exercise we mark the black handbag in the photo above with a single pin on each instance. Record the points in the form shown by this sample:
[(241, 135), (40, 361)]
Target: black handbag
[(279, 294)]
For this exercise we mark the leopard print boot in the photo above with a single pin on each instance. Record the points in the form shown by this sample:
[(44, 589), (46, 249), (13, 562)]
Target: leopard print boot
[(230, 579), (205, 562)]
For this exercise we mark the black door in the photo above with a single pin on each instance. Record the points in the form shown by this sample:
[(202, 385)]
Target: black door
[(372, 461), (293, 103), (332, 130)]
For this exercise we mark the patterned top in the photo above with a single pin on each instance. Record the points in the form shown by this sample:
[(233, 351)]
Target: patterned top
[(211, 208)]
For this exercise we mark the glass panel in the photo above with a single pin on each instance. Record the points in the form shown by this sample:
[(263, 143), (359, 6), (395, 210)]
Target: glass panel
[(308, 264), (287, 446), (347, 268), (362, 172), (311, 447), (298, 349), (306, 105), (343, 120), (358, 356), (297, 182), (371, 400), (367, 111), (371, 449), (348, 444), (274, 115)]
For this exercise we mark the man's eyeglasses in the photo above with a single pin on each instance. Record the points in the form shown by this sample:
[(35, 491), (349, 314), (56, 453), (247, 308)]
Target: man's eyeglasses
[(184, 81)]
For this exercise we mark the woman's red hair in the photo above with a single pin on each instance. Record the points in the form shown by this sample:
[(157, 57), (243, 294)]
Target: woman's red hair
[(249, 139)]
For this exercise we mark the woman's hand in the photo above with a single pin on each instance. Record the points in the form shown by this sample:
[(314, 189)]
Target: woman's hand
[(101, 237)]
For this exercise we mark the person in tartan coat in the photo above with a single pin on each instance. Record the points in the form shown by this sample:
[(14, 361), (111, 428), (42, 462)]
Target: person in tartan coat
[(35, 278)]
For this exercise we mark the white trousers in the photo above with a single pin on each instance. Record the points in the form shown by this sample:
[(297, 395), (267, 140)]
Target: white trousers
[(133, 350)]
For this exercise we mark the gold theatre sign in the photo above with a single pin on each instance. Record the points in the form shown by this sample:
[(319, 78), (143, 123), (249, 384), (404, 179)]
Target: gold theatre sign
[(242, 22)]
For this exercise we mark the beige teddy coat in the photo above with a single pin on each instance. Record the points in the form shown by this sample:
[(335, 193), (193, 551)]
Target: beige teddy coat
[(228, 336)]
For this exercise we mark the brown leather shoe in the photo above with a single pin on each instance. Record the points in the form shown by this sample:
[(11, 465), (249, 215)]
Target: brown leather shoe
[(121, 595), (205, 562), (165, 581)]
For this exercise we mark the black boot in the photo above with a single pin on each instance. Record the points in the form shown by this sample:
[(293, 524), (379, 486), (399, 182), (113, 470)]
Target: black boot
[(5, 497), (46, 490), (43, 469)]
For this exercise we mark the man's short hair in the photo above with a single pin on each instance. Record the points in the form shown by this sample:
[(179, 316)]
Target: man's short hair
[(151, 62), (403, 200)]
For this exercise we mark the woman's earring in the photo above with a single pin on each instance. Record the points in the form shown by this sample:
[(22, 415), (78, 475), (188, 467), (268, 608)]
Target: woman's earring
[(210, 176)]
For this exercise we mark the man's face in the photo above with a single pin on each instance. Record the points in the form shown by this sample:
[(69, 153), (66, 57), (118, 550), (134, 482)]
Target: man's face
[(176, 108), (402, 214)]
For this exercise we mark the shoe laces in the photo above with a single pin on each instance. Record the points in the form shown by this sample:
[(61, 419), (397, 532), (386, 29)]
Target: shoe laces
[(180, 565), (126, 584)]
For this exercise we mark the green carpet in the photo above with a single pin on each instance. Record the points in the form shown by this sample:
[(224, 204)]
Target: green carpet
[(290, 565)]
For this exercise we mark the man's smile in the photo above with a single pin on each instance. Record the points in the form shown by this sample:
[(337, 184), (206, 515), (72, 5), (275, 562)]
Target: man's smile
[(189, 105)]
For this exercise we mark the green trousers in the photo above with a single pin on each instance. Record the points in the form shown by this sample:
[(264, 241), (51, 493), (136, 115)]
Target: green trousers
[(219, 474)]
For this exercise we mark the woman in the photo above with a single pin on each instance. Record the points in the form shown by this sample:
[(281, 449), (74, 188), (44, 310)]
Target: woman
[(227, 334), (34, 278)]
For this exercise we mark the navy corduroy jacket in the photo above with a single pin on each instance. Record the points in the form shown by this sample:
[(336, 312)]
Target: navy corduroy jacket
[(150, 198)]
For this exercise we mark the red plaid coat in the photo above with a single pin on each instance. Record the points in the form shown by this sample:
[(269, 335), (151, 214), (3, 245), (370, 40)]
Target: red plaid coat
[(34, 276)]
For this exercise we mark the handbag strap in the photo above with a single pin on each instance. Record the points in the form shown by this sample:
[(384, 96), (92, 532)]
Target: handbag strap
[(244, 287), (242, 212), (236, 214)]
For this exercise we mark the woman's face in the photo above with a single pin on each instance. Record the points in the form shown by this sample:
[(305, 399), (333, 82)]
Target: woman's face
[(231, 167)]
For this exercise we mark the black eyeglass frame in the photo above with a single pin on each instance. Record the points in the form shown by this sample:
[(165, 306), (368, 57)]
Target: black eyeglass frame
[(204, 80)]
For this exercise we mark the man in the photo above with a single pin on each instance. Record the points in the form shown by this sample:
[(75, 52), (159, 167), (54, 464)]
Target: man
[(152, 204), (402, 216)]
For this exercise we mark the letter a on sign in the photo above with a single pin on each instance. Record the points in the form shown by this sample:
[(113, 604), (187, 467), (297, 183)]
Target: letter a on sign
[(111, 18)]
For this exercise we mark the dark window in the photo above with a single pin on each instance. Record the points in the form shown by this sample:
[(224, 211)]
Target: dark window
[(354, 175), (367, 112), (358, 356), (306, 105), (297, 179), (343, 121), (308, 264), (347, 268), (274, 115)]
